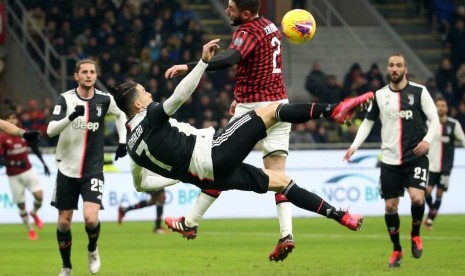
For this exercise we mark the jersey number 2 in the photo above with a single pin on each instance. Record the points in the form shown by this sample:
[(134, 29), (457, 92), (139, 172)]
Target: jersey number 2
[(277, 44)]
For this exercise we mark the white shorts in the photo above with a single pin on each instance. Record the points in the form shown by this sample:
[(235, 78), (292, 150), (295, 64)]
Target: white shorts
[(20, 182), (277, 140)]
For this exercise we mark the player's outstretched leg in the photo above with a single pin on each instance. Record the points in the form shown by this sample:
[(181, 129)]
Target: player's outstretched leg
[(351, 221), (345, 109), (179, 225), (283, 248)]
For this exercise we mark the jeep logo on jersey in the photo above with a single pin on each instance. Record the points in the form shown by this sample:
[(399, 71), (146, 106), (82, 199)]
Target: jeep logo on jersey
[(99, 110), (403, 114), (84, 125)]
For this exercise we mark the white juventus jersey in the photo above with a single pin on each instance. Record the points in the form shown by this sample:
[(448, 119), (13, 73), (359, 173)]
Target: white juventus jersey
[(441, 150), (403, 115), (79, 153)]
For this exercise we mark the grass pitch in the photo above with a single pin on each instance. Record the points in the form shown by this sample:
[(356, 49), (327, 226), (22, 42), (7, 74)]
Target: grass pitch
[(240, 247)]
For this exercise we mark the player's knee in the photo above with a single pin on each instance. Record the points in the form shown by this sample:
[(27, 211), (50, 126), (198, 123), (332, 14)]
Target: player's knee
[(91, 222), (64, 225), (417, 200), (391, 208)]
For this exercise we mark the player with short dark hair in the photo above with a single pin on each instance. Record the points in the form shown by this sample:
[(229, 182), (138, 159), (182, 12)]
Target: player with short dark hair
[(157, 143), (21, 176), (78, 119), (404, 107), (441, 156)]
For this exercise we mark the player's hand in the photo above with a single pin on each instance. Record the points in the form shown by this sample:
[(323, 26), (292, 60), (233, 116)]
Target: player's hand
[(421, 149), (121, 151), (175, 70), (209, 49), (46, 170), (232, 108), (78, 111), (32, 136), (349, 154)]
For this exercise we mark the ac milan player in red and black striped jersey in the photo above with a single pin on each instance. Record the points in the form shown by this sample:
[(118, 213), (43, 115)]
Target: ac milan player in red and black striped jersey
[(21, 177), (257, 52), (441, 156)]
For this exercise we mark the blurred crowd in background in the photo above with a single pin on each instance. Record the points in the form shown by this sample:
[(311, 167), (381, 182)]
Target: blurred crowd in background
[(134, 40)]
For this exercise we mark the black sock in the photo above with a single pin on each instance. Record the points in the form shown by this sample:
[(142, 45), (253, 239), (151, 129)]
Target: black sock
[(142, 204), (417, 216), (93, 235), (159, 216), (303, 112), (65, 241), (437, 203), (393, 225), (310, 201), (429, 201)]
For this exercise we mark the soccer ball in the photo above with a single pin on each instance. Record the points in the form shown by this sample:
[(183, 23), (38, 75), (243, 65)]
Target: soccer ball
[(298, 26)]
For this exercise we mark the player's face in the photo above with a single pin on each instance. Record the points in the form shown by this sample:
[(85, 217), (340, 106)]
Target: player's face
[(442, 108), (145, 98), (396, 69), (234, 14), (87, 76)]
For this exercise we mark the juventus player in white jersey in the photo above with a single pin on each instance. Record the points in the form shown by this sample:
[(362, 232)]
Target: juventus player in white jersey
[(78, 117), (157, 143), (404, 108), (441, 156)]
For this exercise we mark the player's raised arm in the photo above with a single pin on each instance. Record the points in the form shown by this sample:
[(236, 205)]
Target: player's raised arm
[(187, 86)]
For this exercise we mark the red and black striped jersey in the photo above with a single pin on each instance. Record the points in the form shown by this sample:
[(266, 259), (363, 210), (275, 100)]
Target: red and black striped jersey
[(14, 148), (259, 75)]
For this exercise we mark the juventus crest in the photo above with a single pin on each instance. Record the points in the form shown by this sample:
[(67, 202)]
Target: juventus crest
[(411, 99), (99, 109)]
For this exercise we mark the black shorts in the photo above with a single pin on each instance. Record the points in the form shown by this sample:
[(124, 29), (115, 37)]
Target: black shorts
[(236, 142), (441, 180), (394, 179), (244, 178), (68, 189)]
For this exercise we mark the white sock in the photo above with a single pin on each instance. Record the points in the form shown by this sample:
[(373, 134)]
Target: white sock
[(25, 218), (201, 205), (285, 218)]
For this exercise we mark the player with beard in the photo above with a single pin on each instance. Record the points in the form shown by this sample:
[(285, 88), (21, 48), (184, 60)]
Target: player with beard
[(441, 156), (257, 52), (404, 108)]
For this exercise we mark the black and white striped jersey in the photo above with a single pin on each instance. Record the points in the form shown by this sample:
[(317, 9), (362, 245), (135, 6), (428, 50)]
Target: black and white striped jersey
[(79, 152), (403, 115), (441, 151), (166, 147)]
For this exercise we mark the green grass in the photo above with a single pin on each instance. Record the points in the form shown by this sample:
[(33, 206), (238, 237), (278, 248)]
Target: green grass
[(239, 247)]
